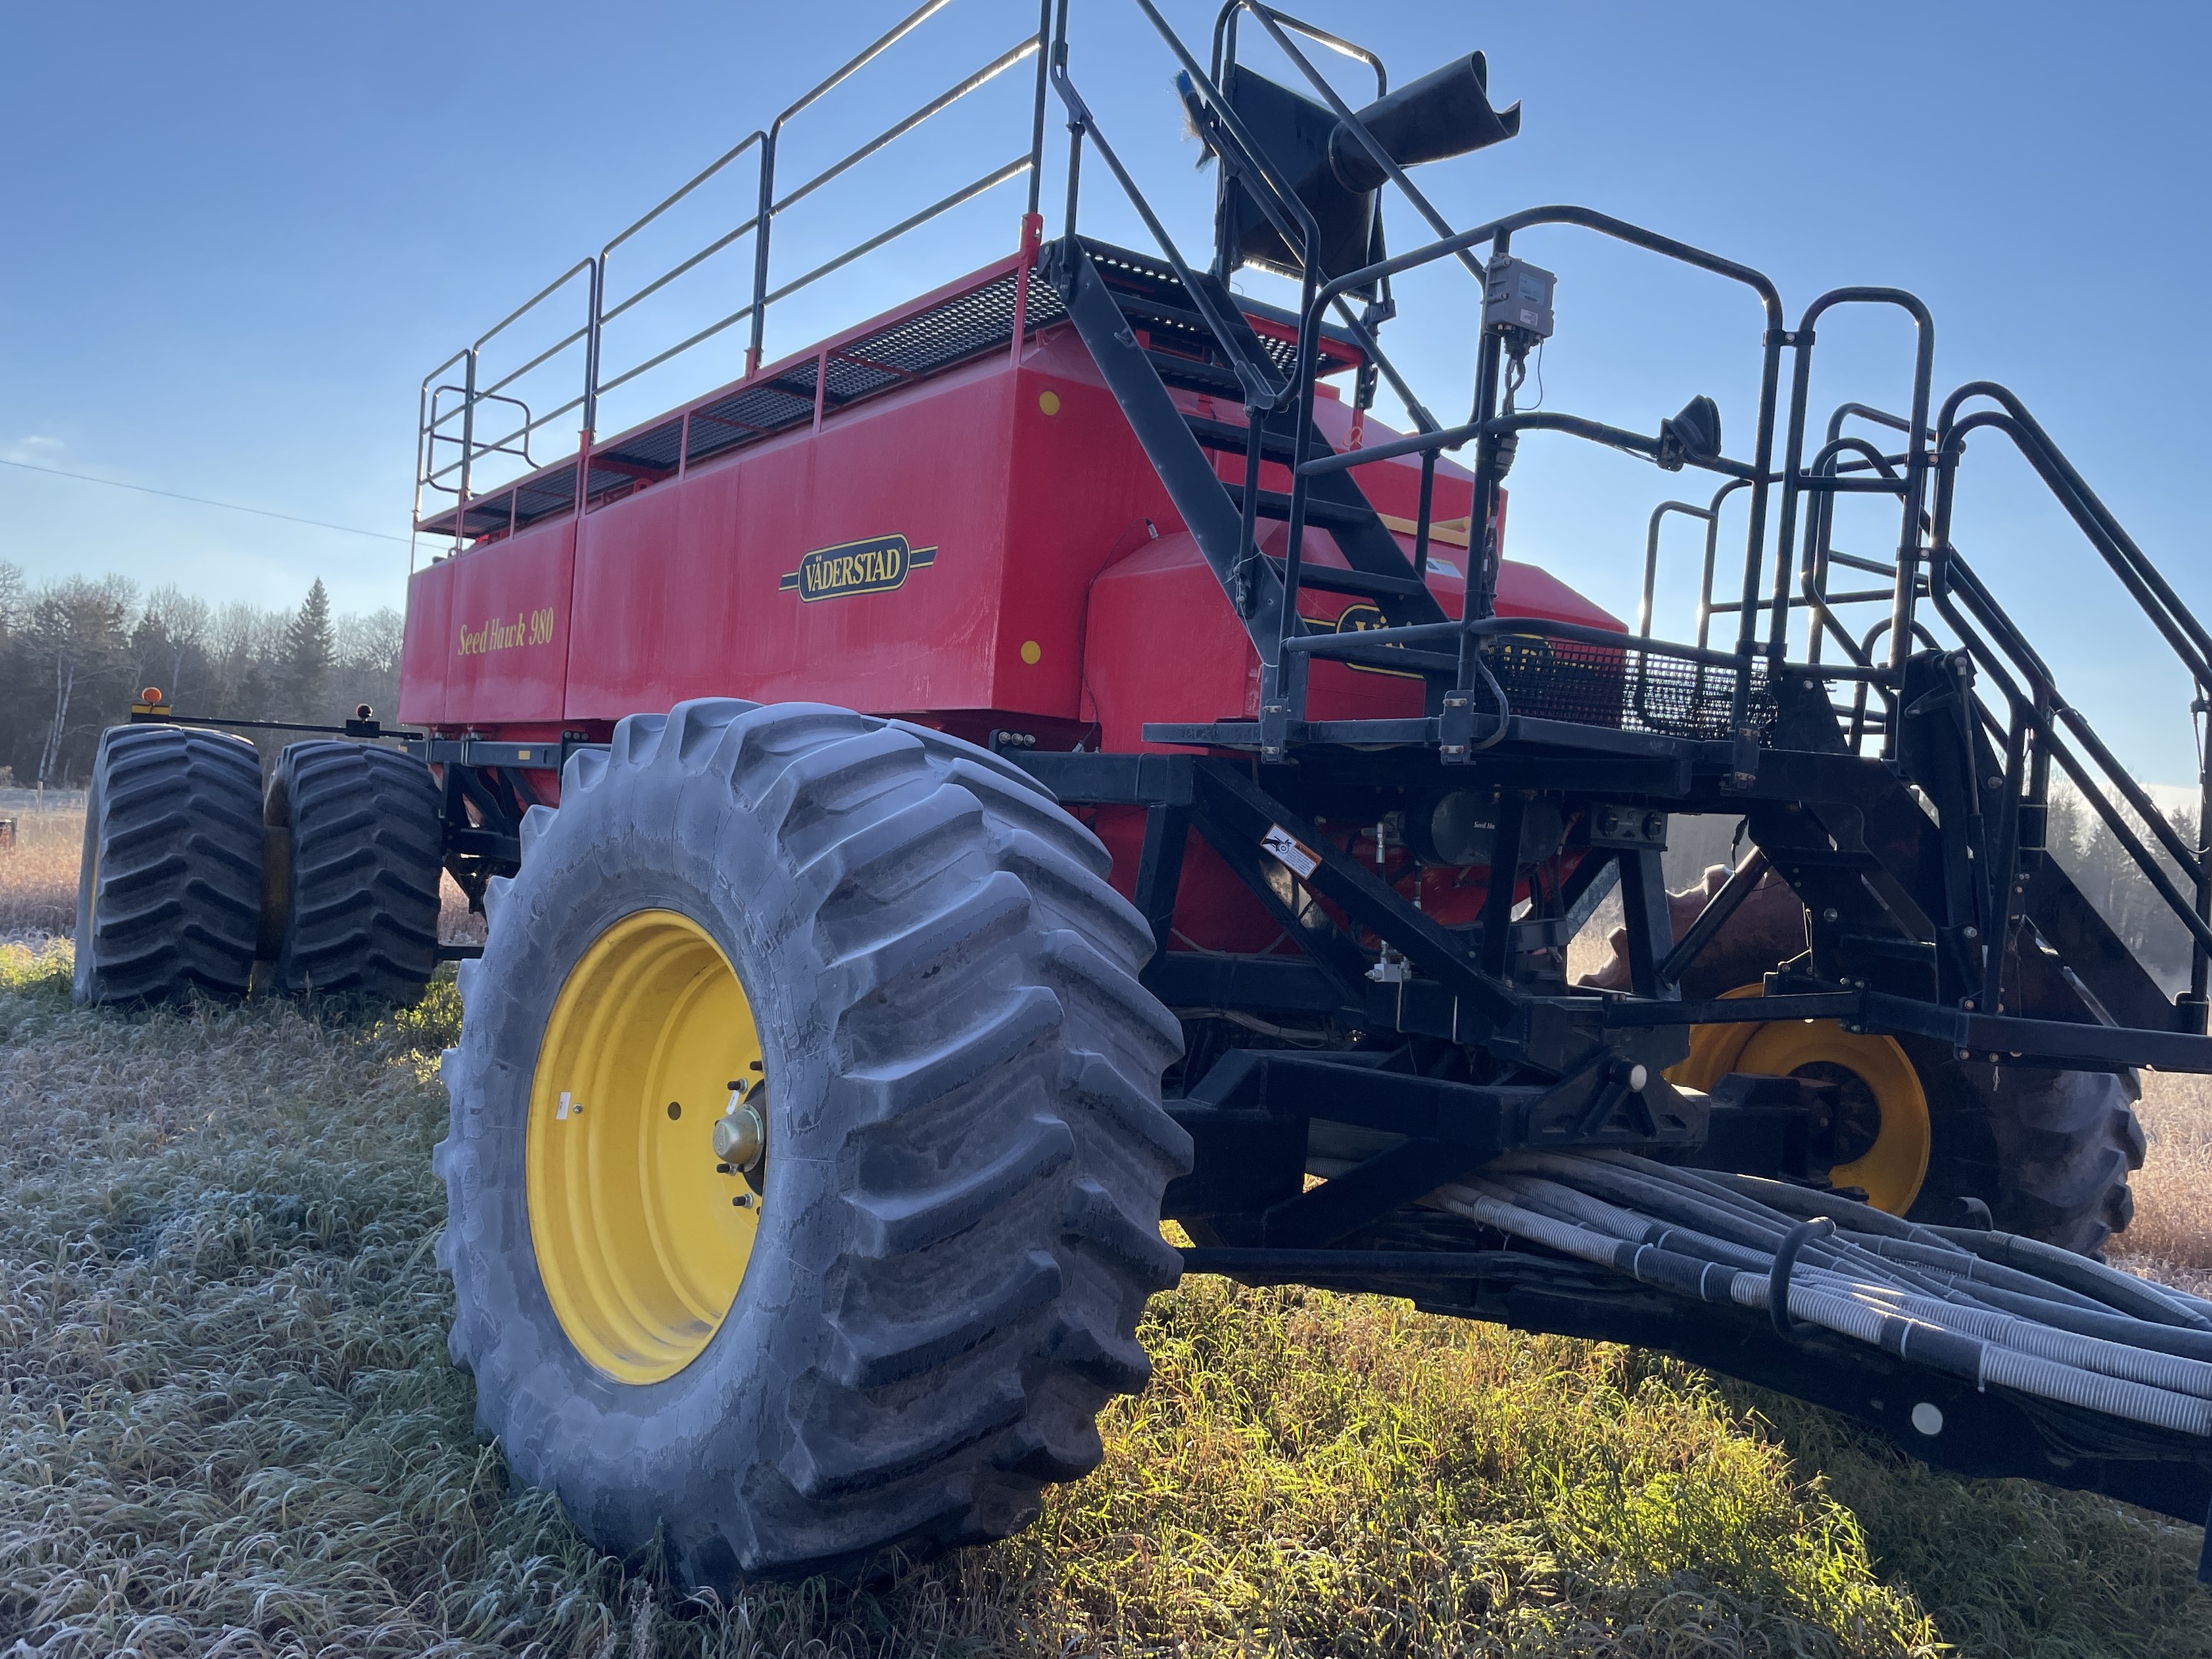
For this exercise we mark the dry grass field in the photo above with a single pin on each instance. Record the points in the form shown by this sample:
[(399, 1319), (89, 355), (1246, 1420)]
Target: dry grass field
[(2172, 1236), (228, 1425), (38, 877)]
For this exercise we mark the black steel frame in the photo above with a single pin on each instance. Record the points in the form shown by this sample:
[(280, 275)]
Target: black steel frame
[(1991, 785)]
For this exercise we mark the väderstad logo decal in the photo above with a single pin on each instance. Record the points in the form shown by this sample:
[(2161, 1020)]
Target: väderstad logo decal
[(877, 565)]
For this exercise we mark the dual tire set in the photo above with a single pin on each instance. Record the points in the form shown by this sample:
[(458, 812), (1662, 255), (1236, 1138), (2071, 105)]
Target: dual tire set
[(194, 871)]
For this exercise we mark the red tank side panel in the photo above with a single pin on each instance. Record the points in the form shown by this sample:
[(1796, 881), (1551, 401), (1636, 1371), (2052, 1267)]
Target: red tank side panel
[(692, 588), (643, 605), (1160, 643), (1084, 498), (425, 647), (507, 632), (1011, 488)]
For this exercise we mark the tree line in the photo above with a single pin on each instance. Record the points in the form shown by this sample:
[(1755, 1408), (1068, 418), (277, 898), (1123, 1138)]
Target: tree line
[(75, 653), (2111, 880)]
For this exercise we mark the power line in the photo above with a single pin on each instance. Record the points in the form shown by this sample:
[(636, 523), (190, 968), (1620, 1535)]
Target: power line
[(202, 501)]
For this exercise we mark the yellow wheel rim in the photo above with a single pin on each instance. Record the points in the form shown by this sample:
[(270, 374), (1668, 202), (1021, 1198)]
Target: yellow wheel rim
[(641, 1235), (1884, 1126)]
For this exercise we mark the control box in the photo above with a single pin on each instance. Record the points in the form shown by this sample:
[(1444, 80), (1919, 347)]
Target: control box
[(1517, 297)]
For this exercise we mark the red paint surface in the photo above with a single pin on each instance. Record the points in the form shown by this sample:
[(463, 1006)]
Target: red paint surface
[(1063, 591)]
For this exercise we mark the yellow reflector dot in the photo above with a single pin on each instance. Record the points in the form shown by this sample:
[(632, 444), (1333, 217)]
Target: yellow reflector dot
[(1049, 401), (1032, 653)]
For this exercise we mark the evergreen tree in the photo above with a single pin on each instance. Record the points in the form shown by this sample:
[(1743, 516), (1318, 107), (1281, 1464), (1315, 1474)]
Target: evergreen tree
[(309, 644)]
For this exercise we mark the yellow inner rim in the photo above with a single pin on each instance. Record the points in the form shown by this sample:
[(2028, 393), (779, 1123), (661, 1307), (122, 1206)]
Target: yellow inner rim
[(639, 1241), (1892, 1170)]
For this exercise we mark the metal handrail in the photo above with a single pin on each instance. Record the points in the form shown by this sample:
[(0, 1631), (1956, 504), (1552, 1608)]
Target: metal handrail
[(1480, 603), (1953, 583), (1916, 467), (1813, 563), (1224, 42), (1709, 516), (997, 175), (1245, 161), (599, 313), (2046, 710), (2149, 588), (502, 447), (770, 205), (595, 384)]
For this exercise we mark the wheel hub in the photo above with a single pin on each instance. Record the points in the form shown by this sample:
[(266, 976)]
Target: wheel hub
[(1882, 1134)]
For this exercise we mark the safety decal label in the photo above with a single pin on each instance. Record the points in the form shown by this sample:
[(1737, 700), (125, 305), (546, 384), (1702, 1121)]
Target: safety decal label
[(1292, 853), (875, 566)]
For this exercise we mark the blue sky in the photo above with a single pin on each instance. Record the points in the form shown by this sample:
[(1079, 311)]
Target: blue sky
[(238, 236)]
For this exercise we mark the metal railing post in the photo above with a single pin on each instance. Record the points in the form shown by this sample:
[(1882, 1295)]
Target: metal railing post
[(468, 445), (594, 302), (1770, 381), (1037, 114), (2197, 1005), (764, 218)]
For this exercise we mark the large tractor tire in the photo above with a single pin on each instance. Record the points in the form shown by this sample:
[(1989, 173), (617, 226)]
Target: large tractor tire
[(168, 898), (352, 902), (2048, 1152), (806, 1148)]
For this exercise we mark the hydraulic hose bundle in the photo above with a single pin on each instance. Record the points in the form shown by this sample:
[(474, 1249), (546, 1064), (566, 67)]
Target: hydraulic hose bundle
[(1992, 1309)]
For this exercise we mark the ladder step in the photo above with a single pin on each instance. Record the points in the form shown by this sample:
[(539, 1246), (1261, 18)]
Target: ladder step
[(1330, 580), (1144, 309), (1195, 375), (1232, 439), (1273, 504)]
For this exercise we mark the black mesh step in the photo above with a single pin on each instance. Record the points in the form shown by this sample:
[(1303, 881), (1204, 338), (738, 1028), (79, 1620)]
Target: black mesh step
[(1195, 374)]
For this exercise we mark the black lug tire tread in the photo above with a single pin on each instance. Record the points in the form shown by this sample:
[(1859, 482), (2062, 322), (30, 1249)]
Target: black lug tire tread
[(368, 841), (2049, 1152), (962, 1299), (172, 827)]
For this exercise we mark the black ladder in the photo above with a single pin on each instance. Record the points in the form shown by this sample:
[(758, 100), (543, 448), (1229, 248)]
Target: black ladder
[(1204, 342)]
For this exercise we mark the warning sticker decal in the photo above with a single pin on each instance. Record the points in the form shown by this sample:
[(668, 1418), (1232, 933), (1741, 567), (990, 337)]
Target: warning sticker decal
[(1292, 852)]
